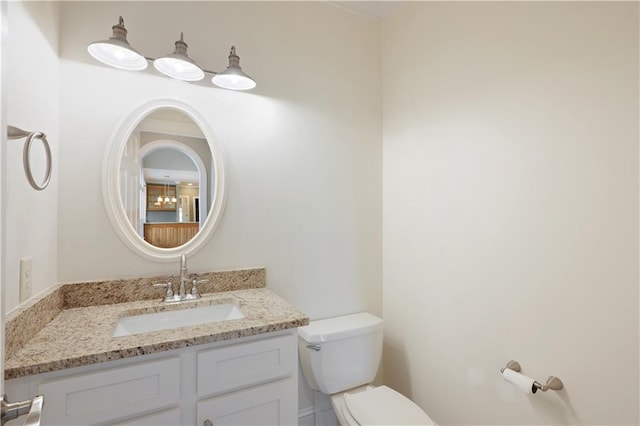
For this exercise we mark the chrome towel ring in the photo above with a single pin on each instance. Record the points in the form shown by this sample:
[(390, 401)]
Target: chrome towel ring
[(16, 133)]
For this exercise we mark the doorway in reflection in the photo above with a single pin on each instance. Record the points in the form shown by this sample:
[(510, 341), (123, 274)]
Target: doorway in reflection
[(164, 177)]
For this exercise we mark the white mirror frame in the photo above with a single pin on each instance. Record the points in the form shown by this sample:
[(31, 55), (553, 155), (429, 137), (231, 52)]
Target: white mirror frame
[(111, 184)]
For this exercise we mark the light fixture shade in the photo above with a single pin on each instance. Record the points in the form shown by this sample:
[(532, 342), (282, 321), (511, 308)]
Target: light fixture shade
[(233, 78), (117, 52), (178, 65)]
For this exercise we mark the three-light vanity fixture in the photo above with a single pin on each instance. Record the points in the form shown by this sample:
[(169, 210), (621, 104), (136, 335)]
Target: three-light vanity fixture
[(118, 53)]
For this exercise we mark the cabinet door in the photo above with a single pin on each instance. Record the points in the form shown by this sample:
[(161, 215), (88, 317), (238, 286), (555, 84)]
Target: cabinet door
[(238, 366), (272, 404), (164, 418), (112, 394), (155, 191)]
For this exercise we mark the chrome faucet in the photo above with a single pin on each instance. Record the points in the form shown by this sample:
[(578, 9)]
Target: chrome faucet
[(182, 295), (184, 275)]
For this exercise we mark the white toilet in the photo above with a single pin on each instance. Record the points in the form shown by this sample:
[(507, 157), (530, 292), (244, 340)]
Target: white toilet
[(340, 357)]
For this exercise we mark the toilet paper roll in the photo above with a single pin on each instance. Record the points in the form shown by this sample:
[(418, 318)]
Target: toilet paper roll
[(522, 382)]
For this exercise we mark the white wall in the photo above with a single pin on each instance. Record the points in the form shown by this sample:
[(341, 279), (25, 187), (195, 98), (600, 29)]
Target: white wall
[(511, 209), (510, 180), (33, 105), (303, 150)]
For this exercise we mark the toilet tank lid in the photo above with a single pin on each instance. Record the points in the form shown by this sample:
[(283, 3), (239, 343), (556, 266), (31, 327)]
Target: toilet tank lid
[(339, 328)]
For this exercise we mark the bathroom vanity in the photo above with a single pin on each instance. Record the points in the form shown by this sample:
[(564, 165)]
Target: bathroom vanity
[(237, 371), (242, 381)]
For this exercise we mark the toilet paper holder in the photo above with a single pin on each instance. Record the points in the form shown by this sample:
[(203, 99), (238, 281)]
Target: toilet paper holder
[(552, 383)]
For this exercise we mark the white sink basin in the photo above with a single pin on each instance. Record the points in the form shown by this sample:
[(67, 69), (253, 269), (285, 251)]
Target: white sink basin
[(167, 320)]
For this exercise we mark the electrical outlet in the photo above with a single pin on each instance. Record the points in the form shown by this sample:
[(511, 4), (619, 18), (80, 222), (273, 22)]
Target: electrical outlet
[(26, 273)]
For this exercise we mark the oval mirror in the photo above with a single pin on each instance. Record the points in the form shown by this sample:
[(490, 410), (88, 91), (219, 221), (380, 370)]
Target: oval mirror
[(163, 181)]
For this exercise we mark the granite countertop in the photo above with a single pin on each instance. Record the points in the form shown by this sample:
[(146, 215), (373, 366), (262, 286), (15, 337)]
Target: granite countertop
[(77, 336)]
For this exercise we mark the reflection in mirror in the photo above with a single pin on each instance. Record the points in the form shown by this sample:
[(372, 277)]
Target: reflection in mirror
[(172, 128), (165, 171)]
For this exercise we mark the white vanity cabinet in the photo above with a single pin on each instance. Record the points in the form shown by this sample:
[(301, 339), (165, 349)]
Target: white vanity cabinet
[(229, 377), (248, 381), (260, 405), (111, 393)]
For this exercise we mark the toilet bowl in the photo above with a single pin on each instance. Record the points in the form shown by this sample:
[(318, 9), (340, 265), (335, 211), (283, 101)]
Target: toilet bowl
[(340, 357)]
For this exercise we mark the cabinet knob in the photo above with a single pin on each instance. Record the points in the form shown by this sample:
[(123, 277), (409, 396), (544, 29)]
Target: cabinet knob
[(207, 423)]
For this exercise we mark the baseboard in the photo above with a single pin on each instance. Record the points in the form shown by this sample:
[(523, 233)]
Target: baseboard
[(309, 411), (325, 417)]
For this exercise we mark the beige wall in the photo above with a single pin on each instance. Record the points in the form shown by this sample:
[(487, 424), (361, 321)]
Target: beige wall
[(303, 150), (33, 104), (511, 209), (510, 180)]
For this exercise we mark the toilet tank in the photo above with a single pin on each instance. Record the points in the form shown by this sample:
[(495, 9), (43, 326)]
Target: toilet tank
[(340, 353)]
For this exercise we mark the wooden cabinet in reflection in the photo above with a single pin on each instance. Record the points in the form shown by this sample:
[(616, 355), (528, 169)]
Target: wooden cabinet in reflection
[(167, 235), (163, 191)]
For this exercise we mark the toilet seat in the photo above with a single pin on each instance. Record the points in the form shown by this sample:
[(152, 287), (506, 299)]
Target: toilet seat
[(340, 406), (378, 406)]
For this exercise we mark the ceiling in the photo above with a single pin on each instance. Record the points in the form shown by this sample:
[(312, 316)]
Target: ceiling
[(374, 9), (170, 114), (163, 176)]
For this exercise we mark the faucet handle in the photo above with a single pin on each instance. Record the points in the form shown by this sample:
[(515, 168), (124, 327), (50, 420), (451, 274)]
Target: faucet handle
[(169, 286), (194, 286)]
